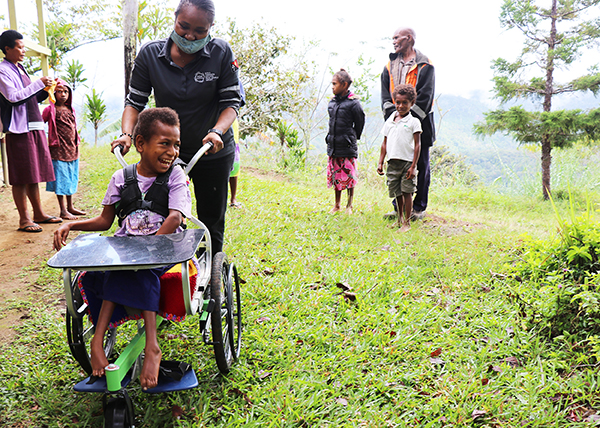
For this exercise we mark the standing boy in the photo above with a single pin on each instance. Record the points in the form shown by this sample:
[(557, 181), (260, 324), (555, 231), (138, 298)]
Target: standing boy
[(409, 65), (401, 146)]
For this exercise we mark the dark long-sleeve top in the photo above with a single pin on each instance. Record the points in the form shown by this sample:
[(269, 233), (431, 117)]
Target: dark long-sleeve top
[(198, 92), (346, 123)]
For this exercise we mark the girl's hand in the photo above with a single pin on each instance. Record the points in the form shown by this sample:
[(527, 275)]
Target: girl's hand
[(216, 140), (60, 236)]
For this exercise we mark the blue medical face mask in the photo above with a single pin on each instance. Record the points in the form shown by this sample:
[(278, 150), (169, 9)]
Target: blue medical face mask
[(188, 46)]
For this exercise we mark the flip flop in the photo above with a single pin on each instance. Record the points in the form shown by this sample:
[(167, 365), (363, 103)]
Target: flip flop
[(50, 220), (32, 228)]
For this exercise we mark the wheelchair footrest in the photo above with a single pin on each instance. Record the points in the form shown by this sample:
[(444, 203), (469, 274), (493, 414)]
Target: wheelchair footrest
[(99, 385), (166, 384)]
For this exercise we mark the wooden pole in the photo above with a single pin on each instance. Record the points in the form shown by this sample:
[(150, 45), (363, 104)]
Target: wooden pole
[(12, 14), (42, 36)]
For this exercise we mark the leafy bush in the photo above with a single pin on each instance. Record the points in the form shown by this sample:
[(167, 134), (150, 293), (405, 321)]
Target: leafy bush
[(448, 169), (556, 282)]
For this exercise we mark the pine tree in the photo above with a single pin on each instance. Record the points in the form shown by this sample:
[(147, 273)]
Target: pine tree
[(557, 32)]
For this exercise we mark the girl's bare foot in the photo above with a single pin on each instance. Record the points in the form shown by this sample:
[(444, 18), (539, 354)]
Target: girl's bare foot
[(68, 216), (99, 361), (404, 228), (150, 368), (348, 210), (334, 210), (75, 211)]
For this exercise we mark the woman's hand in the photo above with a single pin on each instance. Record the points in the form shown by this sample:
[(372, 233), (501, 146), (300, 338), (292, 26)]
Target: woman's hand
[(215, 139), (124, 141), (47, 81)]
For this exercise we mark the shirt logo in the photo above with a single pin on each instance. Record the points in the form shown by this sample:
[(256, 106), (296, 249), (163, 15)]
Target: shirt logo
[(205, 76), (234, 66)]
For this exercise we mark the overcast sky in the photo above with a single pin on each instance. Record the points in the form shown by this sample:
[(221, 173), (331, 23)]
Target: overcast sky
[(460, 37)]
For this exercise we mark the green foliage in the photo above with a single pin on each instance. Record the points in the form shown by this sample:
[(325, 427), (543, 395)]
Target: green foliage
[(74, 74), (72, 23), (559, 292), (95, 111), (295, 155), (155, 20), (449, 169), (362, 83), (556, 33), (273, 78), (562, 127)]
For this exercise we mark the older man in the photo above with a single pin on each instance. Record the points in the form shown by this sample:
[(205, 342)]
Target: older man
[(409, 66)]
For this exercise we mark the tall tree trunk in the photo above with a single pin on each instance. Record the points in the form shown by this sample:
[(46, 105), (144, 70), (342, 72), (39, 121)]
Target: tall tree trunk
[(95, 135), (546, 161), (130, 24), (549, 91)]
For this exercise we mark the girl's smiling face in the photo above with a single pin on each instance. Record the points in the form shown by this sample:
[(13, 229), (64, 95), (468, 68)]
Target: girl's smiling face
[(160, 151)]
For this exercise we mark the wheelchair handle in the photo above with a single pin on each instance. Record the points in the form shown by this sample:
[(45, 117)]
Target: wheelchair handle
[(206, 147), (117, 151), (197, 156)]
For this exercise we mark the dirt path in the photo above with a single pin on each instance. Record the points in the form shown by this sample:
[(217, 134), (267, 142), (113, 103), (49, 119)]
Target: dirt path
[(20, 258)]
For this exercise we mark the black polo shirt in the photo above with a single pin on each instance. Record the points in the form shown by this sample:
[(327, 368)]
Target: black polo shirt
[(198, 92)]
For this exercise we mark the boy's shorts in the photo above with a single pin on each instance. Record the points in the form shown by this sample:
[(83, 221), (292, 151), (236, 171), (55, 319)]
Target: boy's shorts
[(396, 178)]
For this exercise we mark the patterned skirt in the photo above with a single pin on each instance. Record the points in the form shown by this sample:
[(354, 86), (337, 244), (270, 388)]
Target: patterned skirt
[(157, 290), (341, 173)]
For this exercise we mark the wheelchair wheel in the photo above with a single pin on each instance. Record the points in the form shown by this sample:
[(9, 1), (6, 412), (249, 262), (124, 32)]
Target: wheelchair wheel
[(234, 305), (80, 330), (118, 413), (221, 317)]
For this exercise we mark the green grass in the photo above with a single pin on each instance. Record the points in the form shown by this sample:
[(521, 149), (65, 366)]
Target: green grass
[(432, 337)]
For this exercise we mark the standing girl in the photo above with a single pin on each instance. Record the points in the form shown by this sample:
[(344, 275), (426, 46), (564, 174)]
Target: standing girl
[(63, 140), (111, 294), (346, 123)]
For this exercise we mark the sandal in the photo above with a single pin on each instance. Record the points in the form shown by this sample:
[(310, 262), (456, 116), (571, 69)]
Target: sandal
[(32, 228)]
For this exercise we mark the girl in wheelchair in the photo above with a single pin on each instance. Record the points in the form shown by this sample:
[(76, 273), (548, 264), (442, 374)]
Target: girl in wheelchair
[(150, 197)]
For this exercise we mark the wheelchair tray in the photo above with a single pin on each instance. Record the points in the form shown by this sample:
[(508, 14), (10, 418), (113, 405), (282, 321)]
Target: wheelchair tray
[(92, 252)]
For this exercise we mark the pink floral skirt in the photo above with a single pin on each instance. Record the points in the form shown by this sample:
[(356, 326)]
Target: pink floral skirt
[(341, 173)]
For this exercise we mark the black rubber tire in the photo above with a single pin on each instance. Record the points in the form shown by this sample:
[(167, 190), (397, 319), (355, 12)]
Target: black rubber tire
[(80, 331), (220, 317), (234, 304), (116, 414)]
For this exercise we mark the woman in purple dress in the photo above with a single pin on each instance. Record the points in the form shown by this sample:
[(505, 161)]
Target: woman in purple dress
[(29, 161)]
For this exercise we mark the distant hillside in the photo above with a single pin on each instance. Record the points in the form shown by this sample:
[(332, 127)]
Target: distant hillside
[(494, 156), (490, 157)]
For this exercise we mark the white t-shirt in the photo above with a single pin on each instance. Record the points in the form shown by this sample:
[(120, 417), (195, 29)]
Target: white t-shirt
[(400, 136)]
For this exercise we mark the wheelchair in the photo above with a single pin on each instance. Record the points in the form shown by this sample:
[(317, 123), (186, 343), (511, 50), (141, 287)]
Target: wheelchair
[(209, 288)]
